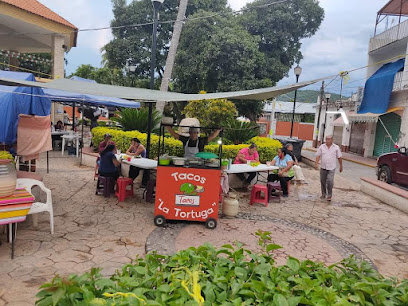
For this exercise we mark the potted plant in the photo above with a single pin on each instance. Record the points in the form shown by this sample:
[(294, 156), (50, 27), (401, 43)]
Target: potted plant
[(8, 174)]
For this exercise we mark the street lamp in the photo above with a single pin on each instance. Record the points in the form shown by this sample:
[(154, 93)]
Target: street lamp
[(298, 71), (132, 69), (328, 95), (156, 6)]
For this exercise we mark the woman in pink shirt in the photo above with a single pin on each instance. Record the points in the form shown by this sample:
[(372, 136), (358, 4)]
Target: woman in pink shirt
[(243, 156)]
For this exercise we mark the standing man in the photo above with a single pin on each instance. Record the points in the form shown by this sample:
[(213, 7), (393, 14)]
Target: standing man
[(328, 153), (193, 144)]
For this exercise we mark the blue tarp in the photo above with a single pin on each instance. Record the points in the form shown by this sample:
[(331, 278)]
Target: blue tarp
[(378, 88), (66, 96), (19, 100)]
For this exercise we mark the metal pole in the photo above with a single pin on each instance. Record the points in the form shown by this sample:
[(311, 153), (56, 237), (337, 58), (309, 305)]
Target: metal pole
[(156, 6), (82, 132), (73, 116), (294, 108), (320, 111), (325, 119)]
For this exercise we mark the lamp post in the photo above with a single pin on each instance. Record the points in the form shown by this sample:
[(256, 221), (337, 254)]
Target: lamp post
[(325, 114), (156, 6), (132, 69), (298, 71)]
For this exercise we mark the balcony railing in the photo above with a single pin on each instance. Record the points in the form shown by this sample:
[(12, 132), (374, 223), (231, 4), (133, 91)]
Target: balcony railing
[(398, 81), (400, 31)]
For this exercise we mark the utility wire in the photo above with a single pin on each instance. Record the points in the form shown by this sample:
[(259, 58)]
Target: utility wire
[(151, 23)]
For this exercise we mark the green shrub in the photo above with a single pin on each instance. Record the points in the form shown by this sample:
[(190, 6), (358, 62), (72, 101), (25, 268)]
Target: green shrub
[(101, 123), (267, 148), (122, 139), (230, 275), (6, 155), (132, 119), (238, 131)]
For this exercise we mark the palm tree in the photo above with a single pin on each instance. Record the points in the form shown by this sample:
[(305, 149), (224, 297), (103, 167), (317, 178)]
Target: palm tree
[(171, 56)]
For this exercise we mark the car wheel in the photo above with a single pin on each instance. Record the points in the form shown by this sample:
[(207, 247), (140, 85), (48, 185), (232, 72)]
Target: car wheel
[(159, 220), (211, 223), (384, 175)]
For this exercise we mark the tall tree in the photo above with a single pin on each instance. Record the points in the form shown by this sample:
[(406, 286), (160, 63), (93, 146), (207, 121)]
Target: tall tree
[(171, 56), (131, 45)]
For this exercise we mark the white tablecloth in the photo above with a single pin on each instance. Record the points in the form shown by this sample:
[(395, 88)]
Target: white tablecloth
[(143, 163), (244, 168)]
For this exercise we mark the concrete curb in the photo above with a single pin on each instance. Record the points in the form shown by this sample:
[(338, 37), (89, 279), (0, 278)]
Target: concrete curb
[(388, 194), (345, 158)]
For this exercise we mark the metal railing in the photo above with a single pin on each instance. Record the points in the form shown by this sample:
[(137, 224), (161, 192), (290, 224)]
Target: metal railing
[(398, 81), (400, 31)]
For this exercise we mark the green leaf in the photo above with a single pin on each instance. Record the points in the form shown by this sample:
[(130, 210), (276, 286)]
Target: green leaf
[(57, 295), (262, 269), (272, 247), (240, 272), (280, 300), (293, 264)]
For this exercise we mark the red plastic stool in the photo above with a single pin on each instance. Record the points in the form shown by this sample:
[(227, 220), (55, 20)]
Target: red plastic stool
[(256, 194), (121, 188)]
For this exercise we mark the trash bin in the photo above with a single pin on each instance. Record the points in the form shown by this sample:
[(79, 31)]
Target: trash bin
[(296, 143)]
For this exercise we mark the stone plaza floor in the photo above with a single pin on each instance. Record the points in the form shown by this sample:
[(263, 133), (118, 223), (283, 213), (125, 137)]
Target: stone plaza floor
[(92, 231)]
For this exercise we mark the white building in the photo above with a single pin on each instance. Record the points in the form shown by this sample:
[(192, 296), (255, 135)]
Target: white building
[(377, 132)]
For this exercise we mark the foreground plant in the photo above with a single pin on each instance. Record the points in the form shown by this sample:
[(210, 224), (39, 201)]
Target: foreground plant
[(230, 275)]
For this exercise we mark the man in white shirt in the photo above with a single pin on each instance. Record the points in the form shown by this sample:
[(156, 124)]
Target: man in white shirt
[(328, 153)]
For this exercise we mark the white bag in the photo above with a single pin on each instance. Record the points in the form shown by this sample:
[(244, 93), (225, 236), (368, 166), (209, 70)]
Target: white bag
[(298, 173)]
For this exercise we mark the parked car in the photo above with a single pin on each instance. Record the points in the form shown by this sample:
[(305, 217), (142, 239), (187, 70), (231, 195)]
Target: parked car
[(393, 167)]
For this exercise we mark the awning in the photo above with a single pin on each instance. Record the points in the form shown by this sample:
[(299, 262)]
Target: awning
[(370, 117), (395, 7), (378, 88), (147, 95)]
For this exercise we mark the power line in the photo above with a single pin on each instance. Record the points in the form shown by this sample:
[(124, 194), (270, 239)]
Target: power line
[(151, 23)]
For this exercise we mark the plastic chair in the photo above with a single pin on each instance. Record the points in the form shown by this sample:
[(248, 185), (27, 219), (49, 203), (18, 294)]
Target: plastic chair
[(275, 186), (121, 188), (38, 207), (256, 194), (105, 185)]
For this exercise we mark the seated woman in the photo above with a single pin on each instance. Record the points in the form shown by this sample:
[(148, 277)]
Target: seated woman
[(243, 156), (296, 168), (59, 126), (285, 172), (136, 149), (108, 163)]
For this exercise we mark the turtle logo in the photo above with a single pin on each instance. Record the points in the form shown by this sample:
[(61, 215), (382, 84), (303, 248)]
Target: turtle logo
[(190, 189)]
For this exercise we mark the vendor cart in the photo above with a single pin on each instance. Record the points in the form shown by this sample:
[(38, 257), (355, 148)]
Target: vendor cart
[(187, 189)]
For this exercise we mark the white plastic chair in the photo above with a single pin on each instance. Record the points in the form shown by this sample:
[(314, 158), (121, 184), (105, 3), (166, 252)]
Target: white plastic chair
[(38, 207)]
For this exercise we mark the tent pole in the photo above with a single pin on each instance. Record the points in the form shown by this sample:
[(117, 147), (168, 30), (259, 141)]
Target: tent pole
[(82, 132), (73, 116)]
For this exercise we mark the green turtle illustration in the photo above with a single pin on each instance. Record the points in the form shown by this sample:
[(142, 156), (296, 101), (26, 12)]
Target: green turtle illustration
[(188, 189)]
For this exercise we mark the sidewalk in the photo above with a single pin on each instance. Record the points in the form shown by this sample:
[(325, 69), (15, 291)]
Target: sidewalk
[(369, 162)]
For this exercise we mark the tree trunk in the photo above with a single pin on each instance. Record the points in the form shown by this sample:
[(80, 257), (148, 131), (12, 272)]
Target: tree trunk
[(171, 57)]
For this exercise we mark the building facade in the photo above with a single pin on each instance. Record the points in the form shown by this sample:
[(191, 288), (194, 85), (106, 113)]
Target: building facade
[(34, 28), (277, 120), (377, 126)]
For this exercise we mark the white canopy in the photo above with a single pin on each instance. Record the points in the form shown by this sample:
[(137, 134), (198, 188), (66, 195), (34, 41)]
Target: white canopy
[(147, 95)]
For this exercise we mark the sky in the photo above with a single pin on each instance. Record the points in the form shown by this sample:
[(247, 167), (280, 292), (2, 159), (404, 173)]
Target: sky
[(340, 44)]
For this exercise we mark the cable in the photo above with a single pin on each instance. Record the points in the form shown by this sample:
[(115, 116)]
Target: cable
[(21, 68), (151, 23)]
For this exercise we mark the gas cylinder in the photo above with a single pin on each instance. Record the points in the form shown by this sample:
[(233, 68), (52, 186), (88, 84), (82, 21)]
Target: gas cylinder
[(230, 206)]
